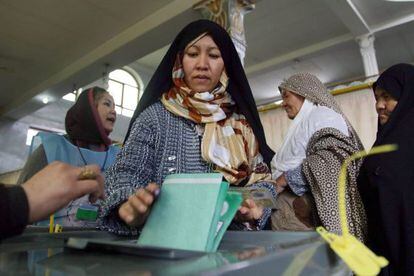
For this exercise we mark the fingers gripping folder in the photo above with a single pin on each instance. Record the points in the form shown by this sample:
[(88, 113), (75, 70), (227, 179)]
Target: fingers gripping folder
[(192, 213)]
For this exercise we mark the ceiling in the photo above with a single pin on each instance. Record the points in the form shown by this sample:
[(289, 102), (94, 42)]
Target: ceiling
[(48, 47)]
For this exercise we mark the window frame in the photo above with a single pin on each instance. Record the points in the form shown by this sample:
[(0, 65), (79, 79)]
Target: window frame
[(121, 107)]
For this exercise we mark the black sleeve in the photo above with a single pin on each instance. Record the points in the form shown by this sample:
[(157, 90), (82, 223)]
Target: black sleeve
[(36, 161), (14, 210)]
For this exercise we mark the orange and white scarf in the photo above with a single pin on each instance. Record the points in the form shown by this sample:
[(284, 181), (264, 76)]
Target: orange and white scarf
[(228, 140)]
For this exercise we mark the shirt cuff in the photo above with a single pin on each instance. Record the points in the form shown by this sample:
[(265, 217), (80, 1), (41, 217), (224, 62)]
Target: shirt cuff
[(16, 211), (296, 181)]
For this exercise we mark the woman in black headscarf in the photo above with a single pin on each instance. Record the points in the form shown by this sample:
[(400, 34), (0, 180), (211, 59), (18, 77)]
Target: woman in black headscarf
[(386, 180), (197, 115)]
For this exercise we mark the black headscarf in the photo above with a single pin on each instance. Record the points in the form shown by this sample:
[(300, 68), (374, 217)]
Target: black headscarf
[(238, 86), (82, 122), (386, 180), (398, 80)]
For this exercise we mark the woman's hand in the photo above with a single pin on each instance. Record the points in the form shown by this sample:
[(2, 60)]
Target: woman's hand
[(135, 211), (249, 211), (281, 183)]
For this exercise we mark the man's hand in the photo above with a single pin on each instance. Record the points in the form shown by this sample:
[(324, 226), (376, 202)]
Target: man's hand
[(56, 185)]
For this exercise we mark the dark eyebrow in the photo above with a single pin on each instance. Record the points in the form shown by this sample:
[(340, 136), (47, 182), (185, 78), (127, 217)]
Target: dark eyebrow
[(108, 100), (208, 49), (195, 46)]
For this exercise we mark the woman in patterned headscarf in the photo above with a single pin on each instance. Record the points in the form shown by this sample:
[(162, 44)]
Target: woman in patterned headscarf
[(306, 167), (386, 180), (197, 115)]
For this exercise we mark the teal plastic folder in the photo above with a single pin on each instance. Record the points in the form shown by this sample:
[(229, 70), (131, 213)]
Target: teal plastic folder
[(192, 212)]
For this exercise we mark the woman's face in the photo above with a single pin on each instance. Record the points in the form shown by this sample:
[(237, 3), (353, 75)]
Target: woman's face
[(292, 103), (106, 111), (385, 104), (203, 65)]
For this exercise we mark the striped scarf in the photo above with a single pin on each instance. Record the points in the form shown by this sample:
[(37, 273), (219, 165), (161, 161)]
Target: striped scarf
[(228, 140)]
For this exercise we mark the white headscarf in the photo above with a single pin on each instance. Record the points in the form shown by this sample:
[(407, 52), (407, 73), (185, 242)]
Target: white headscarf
[(310, 119)]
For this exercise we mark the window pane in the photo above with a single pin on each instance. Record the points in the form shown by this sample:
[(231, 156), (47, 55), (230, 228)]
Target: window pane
[(69, 97), (127, 112), (123, 76), (78, 92), (30, 133), (115, 89), (130, 97), (118, 110)]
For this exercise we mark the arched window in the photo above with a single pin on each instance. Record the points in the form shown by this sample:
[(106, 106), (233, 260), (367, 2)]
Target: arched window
[(72, 96), (126, 88)]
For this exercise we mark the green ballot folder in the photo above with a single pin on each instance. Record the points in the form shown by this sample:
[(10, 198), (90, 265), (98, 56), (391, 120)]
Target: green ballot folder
[(192, 212)]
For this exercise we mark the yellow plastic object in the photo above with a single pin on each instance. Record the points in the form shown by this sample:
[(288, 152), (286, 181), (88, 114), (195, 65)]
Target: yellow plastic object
[(58, 228), (51, 223), (359, 258), (54, 228)]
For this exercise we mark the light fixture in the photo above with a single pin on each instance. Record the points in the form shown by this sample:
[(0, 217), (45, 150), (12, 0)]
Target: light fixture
[(45, 100)]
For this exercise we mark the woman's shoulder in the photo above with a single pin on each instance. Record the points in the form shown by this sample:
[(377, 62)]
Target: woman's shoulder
[(155, 110), (325, 117), (155, 116), (322, 112), (158, 113)]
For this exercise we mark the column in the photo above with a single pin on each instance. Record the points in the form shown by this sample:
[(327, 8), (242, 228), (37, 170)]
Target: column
[(230, 15), (369, 59)]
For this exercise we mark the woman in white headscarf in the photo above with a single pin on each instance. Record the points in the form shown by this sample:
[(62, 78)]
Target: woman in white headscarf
[(306, 168)]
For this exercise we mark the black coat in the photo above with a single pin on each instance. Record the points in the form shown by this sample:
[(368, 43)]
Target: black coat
[(386, 181), (14, 211)]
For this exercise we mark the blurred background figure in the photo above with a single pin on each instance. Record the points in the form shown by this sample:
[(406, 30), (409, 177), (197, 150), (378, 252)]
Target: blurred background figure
[(306, 168), (88, 124)]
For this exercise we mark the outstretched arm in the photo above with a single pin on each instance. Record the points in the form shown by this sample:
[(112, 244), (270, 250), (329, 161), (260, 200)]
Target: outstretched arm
[(56, 185), (47, 191)]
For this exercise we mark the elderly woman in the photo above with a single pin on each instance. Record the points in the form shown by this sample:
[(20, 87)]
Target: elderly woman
[(306, 167), (197, 115), (386, 180)]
